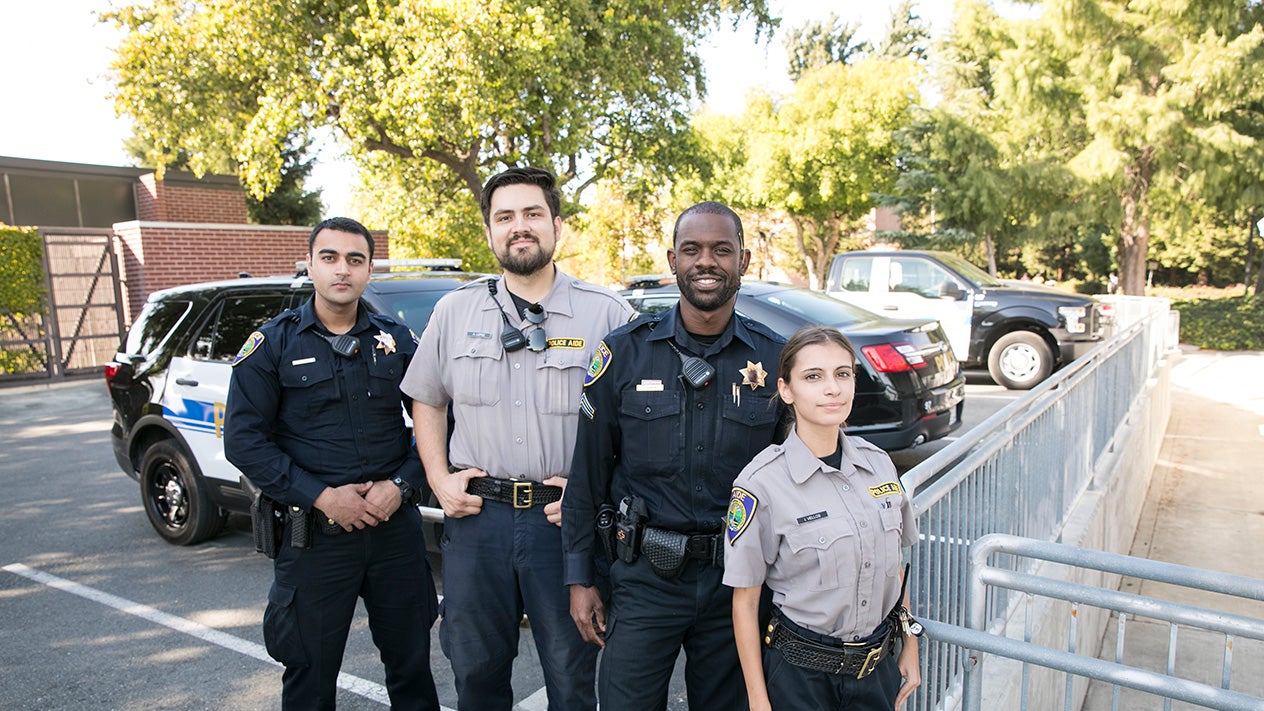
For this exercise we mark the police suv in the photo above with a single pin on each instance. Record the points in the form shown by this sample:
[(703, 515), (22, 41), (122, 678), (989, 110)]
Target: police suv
[(169, 382)]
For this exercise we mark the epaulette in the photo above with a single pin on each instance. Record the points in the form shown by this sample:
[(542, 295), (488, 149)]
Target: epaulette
[(384, 319), (763, 330), (595, 289), (767, 456), (480, 283), (641, 321)]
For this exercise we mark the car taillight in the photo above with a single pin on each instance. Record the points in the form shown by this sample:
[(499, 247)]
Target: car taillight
[(111, 370), (894, 357)]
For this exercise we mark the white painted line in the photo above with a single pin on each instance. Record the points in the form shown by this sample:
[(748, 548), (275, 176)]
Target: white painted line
[(539, 701), (356, 685)]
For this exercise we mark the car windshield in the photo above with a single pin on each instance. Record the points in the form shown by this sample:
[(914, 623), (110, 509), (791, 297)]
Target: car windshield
[(967, 270), (411, 307), (816, 307)]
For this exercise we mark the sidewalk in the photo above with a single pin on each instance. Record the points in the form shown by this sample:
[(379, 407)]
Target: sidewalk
[(1205, 509)]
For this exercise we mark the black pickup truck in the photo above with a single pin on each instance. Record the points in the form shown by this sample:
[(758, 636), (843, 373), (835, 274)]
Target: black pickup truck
[(1020, 331)]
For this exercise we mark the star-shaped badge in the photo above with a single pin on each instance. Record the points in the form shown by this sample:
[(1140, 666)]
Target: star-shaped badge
[(753, 374), (386, 342)]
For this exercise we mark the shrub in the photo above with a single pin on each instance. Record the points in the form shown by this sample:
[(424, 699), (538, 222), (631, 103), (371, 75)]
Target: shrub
[(1231, 324)]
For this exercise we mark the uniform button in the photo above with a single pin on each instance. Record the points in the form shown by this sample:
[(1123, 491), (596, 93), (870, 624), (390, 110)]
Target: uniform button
[(305, 378), (777, 449), (697, 488), (821, 539), (864, 524), (751, 417), (518, 440), (855, 638), (355, 398), (702, 405), (699, 448), (517, 366), (846, 488), (471, 350), (867, 564), (517, 403), (648, 410), (864, 603)]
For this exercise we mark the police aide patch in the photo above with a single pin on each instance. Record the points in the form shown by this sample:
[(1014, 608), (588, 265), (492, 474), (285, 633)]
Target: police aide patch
[(600, 361), (251, 344), (741, 509)]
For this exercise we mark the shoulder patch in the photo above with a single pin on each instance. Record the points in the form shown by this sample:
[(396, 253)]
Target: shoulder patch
[(416, 340), (586, 406), (251, 344), (600, 361), (742, 507)]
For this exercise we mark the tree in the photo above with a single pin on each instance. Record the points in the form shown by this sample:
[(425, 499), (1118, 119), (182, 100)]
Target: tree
[(815, 44), (435, 90), (1159, 87), (821, 156), (907, 34)]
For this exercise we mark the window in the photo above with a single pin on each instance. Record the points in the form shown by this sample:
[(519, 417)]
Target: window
[(918, 276), (155, 322), (856, 274), (236, 318)]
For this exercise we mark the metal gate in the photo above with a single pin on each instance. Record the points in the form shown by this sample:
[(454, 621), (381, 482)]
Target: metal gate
[(82, 323)]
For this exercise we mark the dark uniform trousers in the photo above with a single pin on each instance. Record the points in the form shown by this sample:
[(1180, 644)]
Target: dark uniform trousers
[(650, 620), (497, 565), (313, 600), (791, 687)]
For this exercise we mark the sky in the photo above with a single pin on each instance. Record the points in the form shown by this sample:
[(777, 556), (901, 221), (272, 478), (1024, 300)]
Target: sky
[(55, 84)]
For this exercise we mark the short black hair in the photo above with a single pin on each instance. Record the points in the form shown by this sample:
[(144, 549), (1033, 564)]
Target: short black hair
[(341, 224), (711, 207), (539, 177)]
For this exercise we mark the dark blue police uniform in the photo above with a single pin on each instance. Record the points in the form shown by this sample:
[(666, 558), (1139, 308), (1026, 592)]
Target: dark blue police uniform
[(300, 418), (646, 433)]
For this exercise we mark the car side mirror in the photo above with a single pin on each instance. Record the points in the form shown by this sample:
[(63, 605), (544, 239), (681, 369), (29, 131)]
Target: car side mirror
[(950, 290)]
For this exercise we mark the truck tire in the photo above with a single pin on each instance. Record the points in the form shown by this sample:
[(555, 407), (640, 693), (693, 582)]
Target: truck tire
[(175, 501), (1019, 360)]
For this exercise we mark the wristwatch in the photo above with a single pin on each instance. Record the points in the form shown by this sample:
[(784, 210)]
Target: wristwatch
[(406, 491)]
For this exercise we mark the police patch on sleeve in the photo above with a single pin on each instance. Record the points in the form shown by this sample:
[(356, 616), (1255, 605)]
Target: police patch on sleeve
[(600, 361), (585, 406), (741, 509), (251, 344)]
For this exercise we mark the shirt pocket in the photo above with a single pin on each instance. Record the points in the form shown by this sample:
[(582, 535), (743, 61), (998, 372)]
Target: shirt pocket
[(829, 547), (476, 372), (385, 372), (562, 379), (892, 529), (651, 430), (749, 421), (308, 388)]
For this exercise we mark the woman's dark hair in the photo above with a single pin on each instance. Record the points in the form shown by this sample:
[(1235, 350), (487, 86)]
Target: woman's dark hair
[(809, 336), (341, 224)]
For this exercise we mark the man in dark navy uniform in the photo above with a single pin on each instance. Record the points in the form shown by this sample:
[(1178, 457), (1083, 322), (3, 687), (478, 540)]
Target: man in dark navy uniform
[(315, 420), (661, 441)]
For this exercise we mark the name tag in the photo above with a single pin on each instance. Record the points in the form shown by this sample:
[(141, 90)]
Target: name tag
[(812, 517), (650, 386), (302, 361)]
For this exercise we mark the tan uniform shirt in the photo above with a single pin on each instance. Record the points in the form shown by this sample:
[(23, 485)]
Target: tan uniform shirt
[(516, 413), (827, 541)]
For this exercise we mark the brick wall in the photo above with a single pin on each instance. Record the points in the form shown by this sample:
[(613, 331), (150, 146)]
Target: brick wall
[(158, 255), (180, 197)]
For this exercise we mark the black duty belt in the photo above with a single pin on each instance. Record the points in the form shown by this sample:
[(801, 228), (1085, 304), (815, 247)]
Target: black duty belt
[(857, 659), (668, 551), (520, 494)]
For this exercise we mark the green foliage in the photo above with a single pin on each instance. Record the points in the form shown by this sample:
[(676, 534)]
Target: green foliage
[(815, 44), (22, 296), (1229, 324), (290, 203)]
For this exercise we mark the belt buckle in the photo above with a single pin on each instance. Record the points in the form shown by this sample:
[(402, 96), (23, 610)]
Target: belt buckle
[(522, 493), (871, 662)]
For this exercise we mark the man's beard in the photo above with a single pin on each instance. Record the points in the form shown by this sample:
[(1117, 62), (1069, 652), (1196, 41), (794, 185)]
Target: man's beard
[(526, 262), (709, 301)]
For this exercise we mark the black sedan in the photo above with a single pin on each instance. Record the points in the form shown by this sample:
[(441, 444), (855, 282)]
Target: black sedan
[(909, 386)]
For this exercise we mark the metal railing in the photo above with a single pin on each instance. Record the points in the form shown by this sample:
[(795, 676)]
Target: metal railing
[(1024, 470), (980, 634)]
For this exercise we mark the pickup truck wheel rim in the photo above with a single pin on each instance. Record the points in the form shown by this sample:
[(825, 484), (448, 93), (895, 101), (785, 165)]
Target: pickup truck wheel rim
[(1020, 362)]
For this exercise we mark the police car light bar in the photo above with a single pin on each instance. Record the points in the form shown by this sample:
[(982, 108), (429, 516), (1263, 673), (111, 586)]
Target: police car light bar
[(439, 264)]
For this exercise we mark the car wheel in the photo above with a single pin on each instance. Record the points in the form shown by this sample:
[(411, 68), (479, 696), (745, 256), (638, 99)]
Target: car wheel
[(175, 501), (1019, 360)]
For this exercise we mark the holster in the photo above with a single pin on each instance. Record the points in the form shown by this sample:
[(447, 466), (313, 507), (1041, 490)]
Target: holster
[(266, 524), (665, 550), (629, 526), (300, 528), (605, 531)]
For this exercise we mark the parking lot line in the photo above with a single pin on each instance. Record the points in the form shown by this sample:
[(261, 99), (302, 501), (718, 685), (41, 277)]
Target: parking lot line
[(349, 682)]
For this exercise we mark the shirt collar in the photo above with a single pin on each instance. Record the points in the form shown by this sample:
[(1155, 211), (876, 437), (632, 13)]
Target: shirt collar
[(674, 327), (557, 301), (307, 317), (803, 464)]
